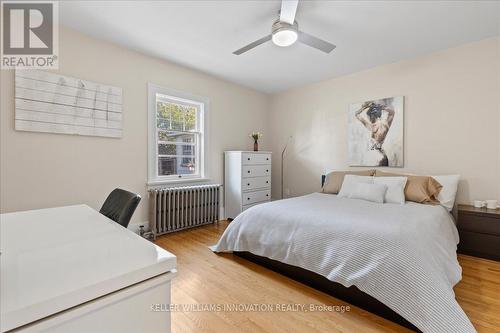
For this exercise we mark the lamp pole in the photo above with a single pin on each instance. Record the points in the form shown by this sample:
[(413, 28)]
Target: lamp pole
[(282, 159)]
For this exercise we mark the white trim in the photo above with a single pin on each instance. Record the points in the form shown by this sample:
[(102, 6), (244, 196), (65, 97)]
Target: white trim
[(177, 181), (204, 104)]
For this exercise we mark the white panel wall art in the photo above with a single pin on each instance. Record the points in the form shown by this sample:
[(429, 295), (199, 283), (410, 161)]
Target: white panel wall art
[(53, 103)]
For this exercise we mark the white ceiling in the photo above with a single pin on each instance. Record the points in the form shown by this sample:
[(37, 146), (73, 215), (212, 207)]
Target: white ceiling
[(203, 34)]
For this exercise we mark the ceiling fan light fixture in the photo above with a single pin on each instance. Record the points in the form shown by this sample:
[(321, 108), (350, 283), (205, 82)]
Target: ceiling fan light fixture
[(285, 37), (284, 34)]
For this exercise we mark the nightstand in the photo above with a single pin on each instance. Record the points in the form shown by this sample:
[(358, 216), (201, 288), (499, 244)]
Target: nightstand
[(479, 230)]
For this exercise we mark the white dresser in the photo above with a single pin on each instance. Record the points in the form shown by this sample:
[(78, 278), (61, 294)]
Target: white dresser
[(247, 180)]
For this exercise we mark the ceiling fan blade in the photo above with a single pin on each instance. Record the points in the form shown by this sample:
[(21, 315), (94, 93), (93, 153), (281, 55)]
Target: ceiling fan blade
[(252, 45), (288, 10), (315, 42)]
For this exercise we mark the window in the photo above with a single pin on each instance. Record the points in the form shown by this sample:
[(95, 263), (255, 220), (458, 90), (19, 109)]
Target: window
[(177, 136)]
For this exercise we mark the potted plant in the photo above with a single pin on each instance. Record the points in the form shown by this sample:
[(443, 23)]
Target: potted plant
[(256, 136)]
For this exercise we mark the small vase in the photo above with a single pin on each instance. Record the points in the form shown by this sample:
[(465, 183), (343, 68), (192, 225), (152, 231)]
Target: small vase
[(255, 146)]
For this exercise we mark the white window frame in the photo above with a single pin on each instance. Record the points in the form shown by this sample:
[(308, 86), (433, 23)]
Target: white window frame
[(204, 111)]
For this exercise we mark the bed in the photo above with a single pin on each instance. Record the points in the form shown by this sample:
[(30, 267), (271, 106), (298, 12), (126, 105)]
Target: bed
[(398, 261)]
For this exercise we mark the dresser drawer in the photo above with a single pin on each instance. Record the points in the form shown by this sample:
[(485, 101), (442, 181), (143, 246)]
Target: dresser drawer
[(255, 183), (254, 197), (479, 224), (256, 171), (253, 158), (479, 245)]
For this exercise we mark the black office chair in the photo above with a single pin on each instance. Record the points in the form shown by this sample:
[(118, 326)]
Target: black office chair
[(120, 206)]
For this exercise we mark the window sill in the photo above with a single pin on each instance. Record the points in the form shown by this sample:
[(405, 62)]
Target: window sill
[(153, 184)]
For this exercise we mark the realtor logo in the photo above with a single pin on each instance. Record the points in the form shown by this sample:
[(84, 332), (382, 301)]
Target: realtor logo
[(29, 34)]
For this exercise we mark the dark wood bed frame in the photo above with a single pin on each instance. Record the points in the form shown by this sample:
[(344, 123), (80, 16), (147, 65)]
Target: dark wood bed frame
[(351, 295)]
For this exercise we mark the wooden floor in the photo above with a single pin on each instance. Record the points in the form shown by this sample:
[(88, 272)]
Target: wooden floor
[(208, 278)]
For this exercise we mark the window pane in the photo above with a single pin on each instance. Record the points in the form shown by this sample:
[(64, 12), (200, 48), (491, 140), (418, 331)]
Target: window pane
[(191, 119), (163, 114), (187, 150), (167, 166), (187, 166), (162, 110), (176, 150), (177, 117), (176, 137), (166, 149), (162, 123)]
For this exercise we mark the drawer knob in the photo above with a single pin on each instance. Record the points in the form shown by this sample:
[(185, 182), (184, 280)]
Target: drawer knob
[(267, 170), (248, 198), (248, 171), (248, 184), (248, 158), (267, 195), (267, 159), (267, 181)]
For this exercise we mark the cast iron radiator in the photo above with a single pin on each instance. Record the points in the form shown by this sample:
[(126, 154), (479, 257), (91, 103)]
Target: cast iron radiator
[(176, 208)]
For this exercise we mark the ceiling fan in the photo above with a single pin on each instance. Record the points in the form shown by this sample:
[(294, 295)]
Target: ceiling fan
[(285, 31)]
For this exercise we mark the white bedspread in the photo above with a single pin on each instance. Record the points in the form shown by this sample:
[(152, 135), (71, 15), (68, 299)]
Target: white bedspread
[(403, 255)]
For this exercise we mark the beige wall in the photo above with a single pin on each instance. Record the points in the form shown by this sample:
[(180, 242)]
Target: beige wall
[(452, 124), (46, 170), (452, 119)]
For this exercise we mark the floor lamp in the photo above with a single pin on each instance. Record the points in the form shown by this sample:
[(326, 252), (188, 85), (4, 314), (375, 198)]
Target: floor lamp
[(282, 159)]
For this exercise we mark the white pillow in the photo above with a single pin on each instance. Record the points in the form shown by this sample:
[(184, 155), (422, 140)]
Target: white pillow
[(449, 191), (369, 192), (350, 181), (395, 188)]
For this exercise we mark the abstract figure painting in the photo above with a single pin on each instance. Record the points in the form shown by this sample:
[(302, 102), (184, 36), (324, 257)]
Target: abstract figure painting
[(375, 133)]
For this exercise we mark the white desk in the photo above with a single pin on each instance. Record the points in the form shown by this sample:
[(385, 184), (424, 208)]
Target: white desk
[(71, 269)]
